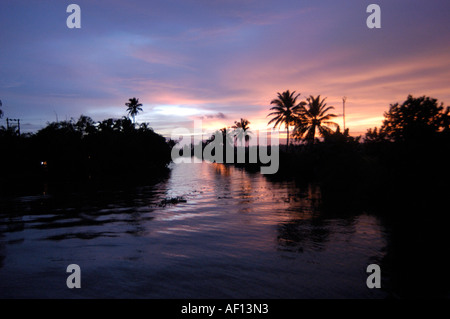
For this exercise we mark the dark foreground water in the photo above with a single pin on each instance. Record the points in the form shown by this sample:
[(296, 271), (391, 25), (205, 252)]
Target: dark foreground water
[(236, 235)]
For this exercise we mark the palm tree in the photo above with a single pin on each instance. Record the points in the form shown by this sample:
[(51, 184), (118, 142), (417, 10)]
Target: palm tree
[(286, 110), (1, 112), (226, 136), (314, 118), (134, 107), (241, 129)]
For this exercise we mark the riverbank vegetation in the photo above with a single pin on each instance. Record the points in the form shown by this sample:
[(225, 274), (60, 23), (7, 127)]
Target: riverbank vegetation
[(82, 149), (405, 158), (404, 162)]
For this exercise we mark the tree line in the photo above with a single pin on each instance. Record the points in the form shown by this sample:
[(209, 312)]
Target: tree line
[(402, 163), (308, 119), (83, 148)]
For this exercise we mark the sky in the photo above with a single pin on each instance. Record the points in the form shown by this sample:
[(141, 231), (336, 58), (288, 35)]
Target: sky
[(218, 60)]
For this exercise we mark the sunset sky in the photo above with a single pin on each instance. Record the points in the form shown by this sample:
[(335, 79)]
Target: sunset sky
[(218, 60)]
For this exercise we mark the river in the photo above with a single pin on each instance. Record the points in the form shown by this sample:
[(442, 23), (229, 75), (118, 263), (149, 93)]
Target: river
[(233, 234)]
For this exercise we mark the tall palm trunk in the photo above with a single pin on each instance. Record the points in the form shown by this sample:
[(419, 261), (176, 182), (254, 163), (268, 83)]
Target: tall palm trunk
[(287, 134)]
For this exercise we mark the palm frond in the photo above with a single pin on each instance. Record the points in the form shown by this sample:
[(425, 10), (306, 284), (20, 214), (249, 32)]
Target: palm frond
[(278, 108), (275, 118), (278, 122), (327, 117), (331, 123), (325, 110)]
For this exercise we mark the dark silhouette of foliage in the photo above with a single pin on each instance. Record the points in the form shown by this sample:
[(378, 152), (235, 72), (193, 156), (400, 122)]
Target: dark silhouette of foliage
[(85, 125), (313, 117), (337, 137), (285, 111), (416, 119), (83, 148), (133, 108), (401, 165), (227, 136), (375, 135), (241, 129)]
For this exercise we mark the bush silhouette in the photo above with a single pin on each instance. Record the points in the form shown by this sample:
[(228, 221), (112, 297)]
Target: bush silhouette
[(74, 150)]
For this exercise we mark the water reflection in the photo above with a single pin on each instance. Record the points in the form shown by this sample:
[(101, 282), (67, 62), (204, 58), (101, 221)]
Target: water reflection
[(298, 235), (234, 235), (2, 253)]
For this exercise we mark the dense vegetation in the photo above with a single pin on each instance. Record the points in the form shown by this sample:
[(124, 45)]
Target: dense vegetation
[(405, 161), (404, 158), (76, 150)]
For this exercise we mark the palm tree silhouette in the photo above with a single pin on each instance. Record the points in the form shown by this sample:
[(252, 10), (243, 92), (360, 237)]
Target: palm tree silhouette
[(1, 112), (134, 107), (314, 118), (286, 110), (226, 136), (241, 129)]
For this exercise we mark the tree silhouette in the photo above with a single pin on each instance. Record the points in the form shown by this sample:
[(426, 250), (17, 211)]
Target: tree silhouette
[(415, 119), (134, 107), (1, 112), (314, 118), (375, 135), (286, 110), (85, 125), (241, 129), (227, 136)]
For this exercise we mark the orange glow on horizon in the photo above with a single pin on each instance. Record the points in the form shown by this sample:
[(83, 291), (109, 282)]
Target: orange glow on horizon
[(246, 87)]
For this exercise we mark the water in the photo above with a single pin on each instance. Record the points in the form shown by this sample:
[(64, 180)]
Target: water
[(235, 235)]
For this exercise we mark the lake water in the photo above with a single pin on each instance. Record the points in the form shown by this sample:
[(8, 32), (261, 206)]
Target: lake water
[(235, 235)]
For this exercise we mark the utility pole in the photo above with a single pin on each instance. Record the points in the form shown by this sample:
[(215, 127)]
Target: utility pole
[(10, 121), (8, 125), (343, 106)]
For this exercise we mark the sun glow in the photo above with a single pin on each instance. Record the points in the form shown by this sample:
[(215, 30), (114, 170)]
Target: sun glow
[(176, 110)]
